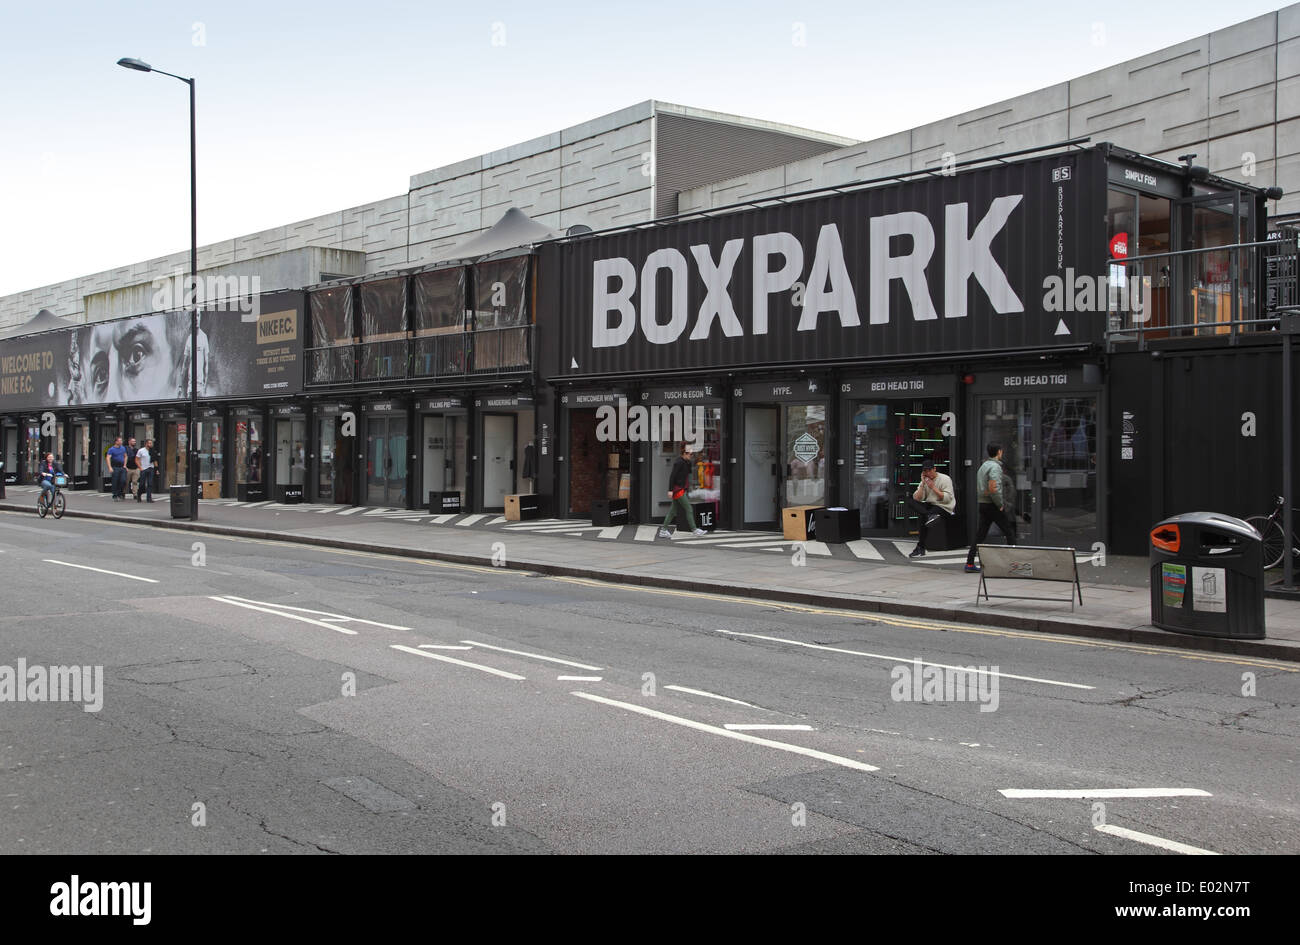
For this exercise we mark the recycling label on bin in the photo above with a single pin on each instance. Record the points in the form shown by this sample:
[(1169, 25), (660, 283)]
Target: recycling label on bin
[(1173, 583), (1209, 590)]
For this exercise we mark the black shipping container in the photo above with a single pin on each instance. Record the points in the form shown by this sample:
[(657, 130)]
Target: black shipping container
[(940, 264)]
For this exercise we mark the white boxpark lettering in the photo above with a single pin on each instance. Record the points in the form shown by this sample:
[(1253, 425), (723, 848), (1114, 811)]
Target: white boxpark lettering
[(777, 261)]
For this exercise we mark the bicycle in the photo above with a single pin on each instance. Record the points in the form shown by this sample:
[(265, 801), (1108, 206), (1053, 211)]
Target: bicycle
[(1270, 528), (54, 501)]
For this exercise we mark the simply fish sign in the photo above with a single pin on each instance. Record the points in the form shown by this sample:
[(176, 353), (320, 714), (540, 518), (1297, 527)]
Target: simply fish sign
[(928, 266)]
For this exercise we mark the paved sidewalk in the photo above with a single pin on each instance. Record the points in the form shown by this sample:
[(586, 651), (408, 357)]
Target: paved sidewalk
[(872, 576)]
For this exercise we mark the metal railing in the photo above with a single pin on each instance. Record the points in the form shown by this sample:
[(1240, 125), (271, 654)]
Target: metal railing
[(1213, 292), (493, 352)]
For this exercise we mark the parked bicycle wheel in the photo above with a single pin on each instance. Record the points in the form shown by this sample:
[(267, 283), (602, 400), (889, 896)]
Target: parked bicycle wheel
[(1274, 542), (60, 504), (41, 505)]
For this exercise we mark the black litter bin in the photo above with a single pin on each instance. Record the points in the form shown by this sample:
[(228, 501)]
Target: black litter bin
[(1207, 576), (180, 501)]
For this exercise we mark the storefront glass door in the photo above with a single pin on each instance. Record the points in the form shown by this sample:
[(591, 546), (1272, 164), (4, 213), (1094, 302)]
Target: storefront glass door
[(99, 464), (175, 470), (291, 451), (1050, 454), (33, 457), (498, 459), (444, 455), (325, 451), (10, 435), (1068, 438), (804, 429), (872, 456), (248, 451), (386, 461), (79, 469), (762, 473), (211, 451)]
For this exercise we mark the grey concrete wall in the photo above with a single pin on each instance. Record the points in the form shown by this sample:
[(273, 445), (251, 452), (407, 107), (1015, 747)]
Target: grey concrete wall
[(289, 269), (1226, 96)]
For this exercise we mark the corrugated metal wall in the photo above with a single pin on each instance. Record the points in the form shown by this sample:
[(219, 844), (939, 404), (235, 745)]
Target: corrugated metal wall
[(1055, 224)]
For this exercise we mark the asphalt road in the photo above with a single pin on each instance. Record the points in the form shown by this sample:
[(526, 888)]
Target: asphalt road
[(242, 713)]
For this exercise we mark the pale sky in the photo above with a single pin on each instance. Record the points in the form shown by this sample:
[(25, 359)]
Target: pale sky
[(309, 108)]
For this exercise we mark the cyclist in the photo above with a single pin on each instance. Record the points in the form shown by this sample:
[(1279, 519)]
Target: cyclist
[(46, 472)]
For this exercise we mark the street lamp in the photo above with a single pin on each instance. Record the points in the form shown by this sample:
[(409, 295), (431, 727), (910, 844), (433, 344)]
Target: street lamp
[(192, 470)]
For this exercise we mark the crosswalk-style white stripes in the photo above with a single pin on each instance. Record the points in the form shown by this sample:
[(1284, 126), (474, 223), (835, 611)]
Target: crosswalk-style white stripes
[(881, 550)]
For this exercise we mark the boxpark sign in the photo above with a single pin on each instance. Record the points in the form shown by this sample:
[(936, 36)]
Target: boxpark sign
[(933, 265)]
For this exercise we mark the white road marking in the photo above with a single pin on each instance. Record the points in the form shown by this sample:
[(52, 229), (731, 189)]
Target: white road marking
[(711, 695), (1152, 840), (734, 727), (612, 531), (536, 656), (738, 736), (85, 567), (864, 550), (470, 520), (900, 659), (579, 678), (42, 531), (323, 613), (444, 519), (1107, 792), (816, 548), (443, 646), (498, 520), (279, 613), (646, 532), (452, 659), (353, 511)]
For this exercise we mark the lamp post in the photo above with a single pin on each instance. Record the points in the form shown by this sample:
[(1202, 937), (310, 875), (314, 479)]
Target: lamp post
[(192, 451)]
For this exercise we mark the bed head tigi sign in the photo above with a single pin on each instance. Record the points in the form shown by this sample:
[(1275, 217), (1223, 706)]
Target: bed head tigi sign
[(933, 265)]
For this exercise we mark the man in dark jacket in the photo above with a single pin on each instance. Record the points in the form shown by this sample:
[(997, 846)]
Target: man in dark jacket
[(678, 482)]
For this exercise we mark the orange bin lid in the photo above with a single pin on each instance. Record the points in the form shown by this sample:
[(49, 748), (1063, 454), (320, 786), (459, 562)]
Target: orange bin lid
[(1166, 537)]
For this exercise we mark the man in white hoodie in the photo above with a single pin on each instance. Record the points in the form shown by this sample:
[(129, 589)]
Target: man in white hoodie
[(932, 499)]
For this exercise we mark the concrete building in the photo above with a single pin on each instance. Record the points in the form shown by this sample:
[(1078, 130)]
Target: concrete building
[(1231, 96)]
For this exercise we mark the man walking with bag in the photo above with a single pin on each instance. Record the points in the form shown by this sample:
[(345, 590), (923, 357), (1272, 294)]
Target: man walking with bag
[(678, 481), (992, 488)]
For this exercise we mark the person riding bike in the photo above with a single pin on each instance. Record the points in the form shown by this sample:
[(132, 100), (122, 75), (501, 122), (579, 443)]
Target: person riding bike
[(46, 472)]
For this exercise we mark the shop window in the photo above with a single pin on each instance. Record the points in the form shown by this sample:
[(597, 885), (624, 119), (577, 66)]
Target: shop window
[(501, 317), (383, 329), (439, 320), (330, 360), (248, 450)]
